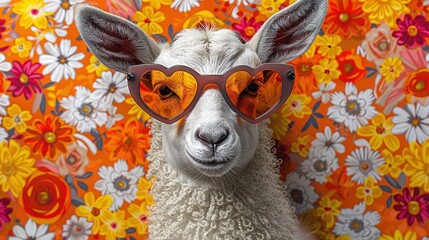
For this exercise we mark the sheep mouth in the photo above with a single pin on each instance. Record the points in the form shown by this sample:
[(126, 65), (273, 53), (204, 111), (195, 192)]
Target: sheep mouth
[(211, 163)]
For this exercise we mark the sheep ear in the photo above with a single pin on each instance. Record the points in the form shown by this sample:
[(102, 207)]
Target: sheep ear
[(116, 42), (289, 33)]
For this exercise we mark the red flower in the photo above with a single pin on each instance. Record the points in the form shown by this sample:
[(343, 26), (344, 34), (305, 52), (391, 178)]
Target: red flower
[(49, 136), (247, 28), (417, 83), (412, 32), (24, 79), (2, 27), (4, 211), (412, 207), (307, 81), (45, 196), (351, 67)]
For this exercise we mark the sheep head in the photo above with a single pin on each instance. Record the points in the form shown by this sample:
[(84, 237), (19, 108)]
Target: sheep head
[(211, 141)]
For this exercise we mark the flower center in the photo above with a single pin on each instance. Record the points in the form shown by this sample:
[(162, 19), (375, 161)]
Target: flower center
[(143, 218), (412, 30), (380, 129), (113, 225), (328, 209), (348, 68), (344, 17), (71, 159), (65, 5), (17, 119), (249, 30), (420, 85), (414, 207), (147, 21), (128, 141), (365, 166), (297, 196), (43, 198), (34, 11), (62, 60), (9, 169), (294, 104), (78, 229), (86, 109), (415, 122), (320, 166), (97, 63), (327, 71), (20, 47), (367, 191), (356, 225), (49, 137), (95, 211), (383, 46), (304, 68), (23, 78), (391, 69)]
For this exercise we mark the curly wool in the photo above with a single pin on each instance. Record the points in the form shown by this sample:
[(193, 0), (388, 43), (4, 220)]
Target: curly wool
[(252, 207)]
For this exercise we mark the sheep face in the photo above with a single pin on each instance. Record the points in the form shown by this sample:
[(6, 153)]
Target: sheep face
[(211, 141)]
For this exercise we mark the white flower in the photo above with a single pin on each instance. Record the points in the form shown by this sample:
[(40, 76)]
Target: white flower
[(4, 66), (353, 109), (239, 2), (64, 9), (110, 88), (300, 192), (113, 117), (4, 3), (4, 102), (363, 163), (84, 111), (31, 231), (119, 182), (185, 5), (319, 165), (77, 228), (413, 121), (356, 224), (3, 133), (323, 92), (329, 143), (59, 30), (61, 60)]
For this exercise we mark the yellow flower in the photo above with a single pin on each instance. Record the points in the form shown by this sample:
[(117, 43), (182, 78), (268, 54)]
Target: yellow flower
[(297, 105), (326, 71), (203, 17), (16, 118), (385, 10), (417, 166), (139, 217), (392, 164), (380, 132), (15, 167), (269, 7), (327, 210), (157, 3), (369, 191), (301, 146), (279, 122), (143, 191), (148, 20), (391, 68), (136, 110), (328, 45), (32, 13), (96, 211), (21, 47), (96, 66), (409, 235), (114, 227)]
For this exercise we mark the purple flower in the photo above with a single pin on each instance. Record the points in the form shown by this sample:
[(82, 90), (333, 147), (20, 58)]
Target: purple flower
[(24, 79), (412, 207), (412, 32), (4, 211)]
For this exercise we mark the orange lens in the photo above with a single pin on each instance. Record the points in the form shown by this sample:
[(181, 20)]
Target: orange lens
[(167, 96), (254, 95)]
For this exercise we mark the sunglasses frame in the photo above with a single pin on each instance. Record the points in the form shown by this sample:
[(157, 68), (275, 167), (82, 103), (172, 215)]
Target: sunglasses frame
[(285, 71)]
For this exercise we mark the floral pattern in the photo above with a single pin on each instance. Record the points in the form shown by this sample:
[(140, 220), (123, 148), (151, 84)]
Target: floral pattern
[(353, 137)]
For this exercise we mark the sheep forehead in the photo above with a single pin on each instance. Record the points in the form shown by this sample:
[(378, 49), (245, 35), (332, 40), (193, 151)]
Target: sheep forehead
[(208, 51)]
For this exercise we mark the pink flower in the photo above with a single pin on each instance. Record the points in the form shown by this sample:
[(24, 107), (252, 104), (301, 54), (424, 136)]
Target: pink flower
[(24, 79), (412, 32), (74, 161), (412, 207), (4, 211), (247, 28)]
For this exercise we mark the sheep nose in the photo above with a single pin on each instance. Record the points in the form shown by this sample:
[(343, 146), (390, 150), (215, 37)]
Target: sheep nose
[(212, 138)]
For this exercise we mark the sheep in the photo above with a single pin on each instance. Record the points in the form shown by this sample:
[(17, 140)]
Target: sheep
[(240, 196)]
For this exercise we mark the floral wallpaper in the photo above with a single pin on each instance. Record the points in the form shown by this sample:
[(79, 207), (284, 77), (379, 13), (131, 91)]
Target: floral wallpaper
[(353, 136)]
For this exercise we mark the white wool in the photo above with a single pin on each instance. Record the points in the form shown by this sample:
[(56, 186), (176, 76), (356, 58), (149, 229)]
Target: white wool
[(255, 207)]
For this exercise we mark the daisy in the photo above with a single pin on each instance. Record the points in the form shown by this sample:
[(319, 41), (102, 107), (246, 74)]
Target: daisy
[(84, 110), (319, 165), (358, 224), (24, 79), (77, 228), (184, 5), (302, 195), (110, 87), (329, 143), (61, 60), (323, 92), (247, 28), (113, 117), (63, 8), (4, 102), (4, 65), (352, 108), (412, 31), (363, 163), (31, 231), (413, 120), (120, 183)]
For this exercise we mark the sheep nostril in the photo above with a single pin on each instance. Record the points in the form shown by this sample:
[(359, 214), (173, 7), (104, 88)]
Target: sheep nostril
[(212, 138)]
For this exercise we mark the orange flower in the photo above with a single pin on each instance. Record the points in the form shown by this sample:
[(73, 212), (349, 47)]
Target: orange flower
[(50, 137), (303, 69), (345, 18), (129, 141), (351, 67), (417, 83), (45, 197)]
